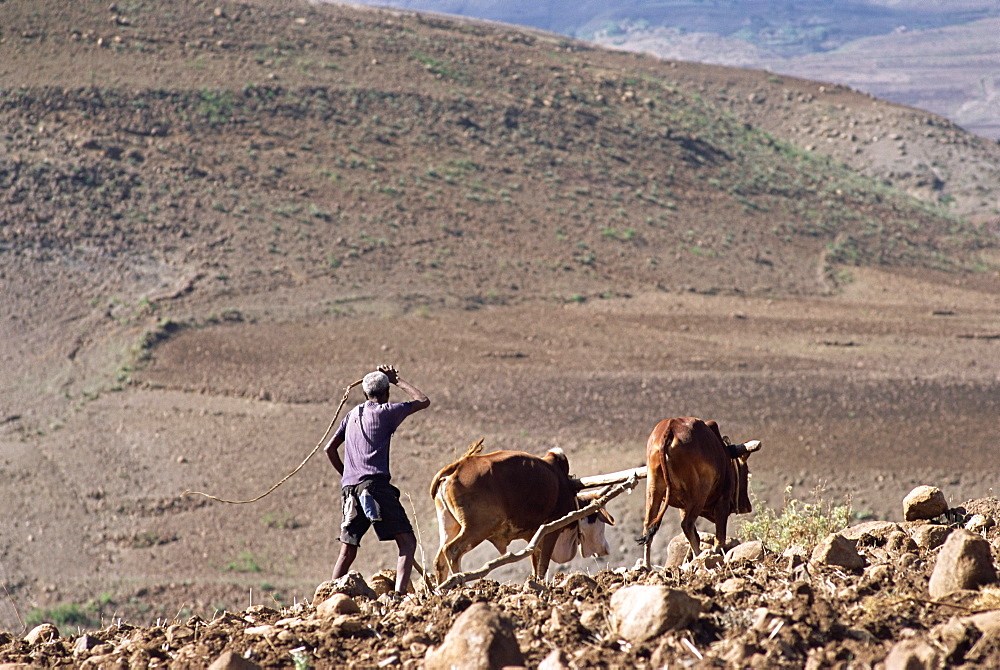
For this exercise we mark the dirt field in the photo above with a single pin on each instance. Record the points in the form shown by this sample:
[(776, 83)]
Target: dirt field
[(193, 275)]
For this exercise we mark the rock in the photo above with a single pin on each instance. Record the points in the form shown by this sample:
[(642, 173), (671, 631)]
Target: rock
[(706, 560), (260, 631), (924, 502), (732, 586), (346, 626), (479, 639), (899, 542), (43, 632), (383, 582), (85, 643), (352, 584), (955, 637), (591, 617), (748, 551), (230, 661), (178, 635), (929, 535), (640, 613), (987, 622), (912, 655), (876, 574), (978, 523), (578, 580), (871, 533), (679, 549), (335, 605), (793, 557), (556, 660), (964, 562), (837, 550)]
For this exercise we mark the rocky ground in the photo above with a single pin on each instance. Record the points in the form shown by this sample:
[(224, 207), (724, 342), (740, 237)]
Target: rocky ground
[(212, 220), (922, 594)]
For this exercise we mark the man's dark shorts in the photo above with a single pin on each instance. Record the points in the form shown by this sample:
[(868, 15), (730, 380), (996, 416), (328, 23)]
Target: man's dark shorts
[(393, 517)]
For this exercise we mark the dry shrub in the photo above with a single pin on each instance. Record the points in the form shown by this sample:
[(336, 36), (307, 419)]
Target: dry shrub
[(798, 523)]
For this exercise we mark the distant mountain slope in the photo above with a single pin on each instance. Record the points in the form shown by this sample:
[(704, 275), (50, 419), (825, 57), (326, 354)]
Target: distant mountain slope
[(941, 57), (348, 142), (783, 28), (953, 71)]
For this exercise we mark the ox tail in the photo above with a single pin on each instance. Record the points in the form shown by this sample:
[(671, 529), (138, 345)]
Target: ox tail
[(661, 498), (474, 449)]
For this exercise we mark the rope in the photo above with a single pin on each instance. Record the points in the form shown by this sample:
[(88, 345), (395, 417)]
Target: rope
[(284, 479)]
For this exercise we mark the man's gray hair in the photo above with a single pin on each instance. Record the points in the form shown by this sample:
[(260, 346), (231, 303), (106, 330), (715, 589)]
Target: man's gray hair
[(375, 384)]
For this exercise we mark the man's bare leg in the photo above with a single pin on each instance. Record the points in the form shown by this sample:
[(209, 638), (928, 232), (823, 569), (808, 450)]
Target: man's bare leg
[(348, 552), (407, 543)]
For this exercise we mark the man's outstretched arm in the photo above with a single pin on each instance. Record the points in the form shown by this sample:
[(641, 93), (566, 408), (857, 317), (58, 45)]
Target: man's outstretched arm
[(420, 400)]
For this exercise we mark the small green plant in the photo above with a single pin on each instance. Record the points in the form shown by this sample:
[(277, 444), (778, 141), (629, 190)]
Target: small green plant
[(281, 521), (798, 523), (300, 657), (245, 562), (66, 616), (215, 105)]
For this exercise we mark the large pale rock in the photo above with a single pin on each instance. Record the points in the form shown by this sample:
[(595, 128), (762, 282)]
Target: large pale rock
[(640, 613), (230, 661), (746, 552), (930, 535), (43, 632), (924, 502), (839, 551), (352, 584), (480, 639), (964, 562), (336, 605), (912, 655), (679, 549)]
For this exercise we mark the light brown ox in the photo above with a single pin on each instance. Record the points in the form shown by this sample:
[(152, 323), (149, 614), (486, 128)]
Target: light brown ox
[(507, 495), (691, 466)]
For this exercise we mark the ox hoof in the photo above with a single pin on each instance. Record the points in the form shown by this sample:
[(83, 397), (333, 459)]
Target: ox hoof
[(752, 446)]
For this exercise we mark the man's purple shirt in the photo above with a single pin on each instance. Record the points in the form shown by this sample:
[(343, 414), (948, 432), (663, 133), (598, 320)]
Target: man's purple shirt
[(367, 430)]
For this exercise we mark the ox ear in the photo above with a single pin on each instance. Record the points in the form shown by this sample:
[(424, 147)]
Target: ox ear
[(605, 516), (602, 514)]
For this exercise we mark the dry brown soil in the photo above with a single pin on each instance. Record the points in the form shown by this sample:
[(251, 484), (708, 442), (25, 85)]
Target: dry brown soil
[(185, 298)]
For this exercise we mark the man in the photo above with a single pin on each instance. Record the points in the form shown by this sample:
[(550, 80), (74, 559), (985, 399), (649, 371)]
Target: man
[(368, 497)]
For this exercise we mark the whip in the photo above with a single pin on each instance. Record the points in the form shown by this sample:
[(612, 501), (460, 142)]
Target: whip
[(284, 479)]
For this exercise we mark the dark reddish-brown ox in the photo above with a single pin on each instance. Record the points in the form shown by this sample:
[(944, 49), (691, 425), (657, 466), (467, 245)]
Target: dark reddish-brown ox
[(507, 495), (692, 467)]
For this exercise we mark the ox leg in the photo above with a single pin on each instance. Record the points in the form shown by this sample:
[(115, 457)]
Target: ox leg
[(722, 511), (542, 556), (688, 518), (448, 528), (657, 495)]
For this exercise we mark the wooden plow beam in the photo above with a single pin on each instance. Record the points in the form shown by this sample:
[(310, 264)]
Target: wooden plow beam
[(612, 491), (611, 478)]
